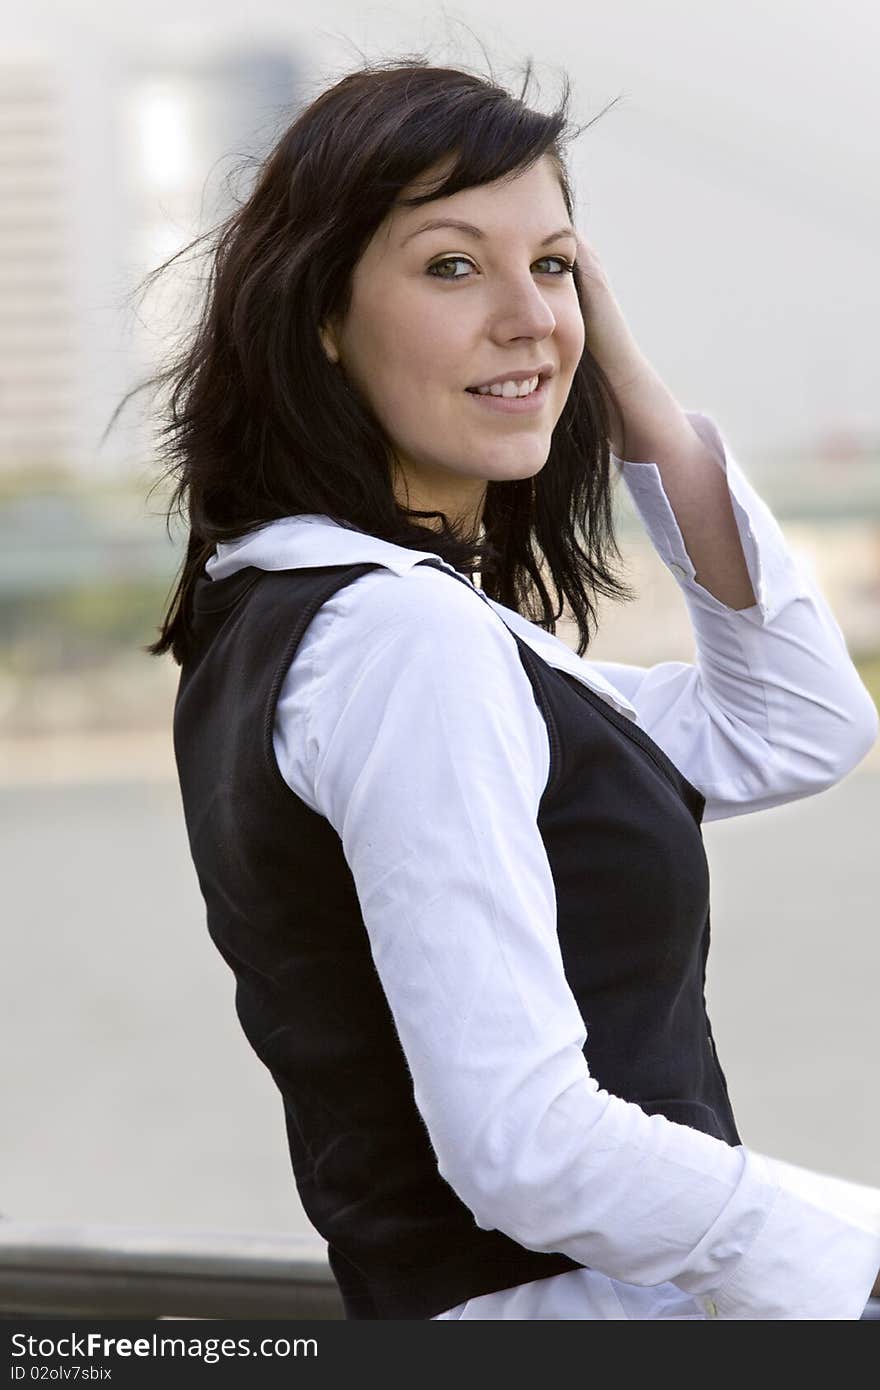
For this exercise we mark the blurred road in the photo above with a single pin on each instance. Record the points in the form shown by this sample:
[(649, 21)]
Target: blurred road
[(129, 1094)]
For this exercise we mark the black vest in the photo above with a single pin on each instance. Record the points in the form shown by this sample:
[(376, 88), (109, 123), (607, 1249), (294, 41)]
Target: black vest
[(621, 826)]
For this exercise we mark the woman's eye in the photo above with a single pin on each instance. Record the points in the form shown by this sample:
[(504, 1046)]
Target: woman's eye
[(565, 267), (448, 260)]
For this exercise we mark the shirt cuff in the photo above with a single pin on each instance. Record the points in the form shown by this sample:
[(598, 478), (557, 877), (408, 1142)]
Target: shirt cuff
[(816, 1256), (773, 568)]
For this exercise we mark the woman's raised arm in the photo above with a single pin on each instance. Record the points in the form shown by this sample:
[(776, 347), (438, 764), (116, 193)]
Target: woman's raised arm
[(773, 708)]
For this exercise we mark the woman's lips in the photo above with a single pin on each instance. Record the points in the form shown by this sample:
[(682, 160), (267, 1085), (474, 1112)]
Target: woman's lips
[(513, 405)]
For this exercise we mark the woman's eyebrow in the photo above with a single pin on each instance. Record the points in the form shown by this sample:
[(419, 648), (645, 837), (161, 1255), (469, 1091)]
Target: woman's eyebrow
[(476, 232)]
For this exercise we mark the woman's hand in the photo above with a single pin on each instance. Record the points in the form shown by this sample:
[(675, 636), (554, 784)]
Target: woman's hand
[(654, 428), (654, 422), (610, 341), (607, 332)]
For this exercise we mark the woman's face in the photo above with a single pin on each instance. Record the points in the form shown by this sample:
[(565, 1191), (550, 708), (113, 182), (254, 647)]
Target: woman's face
[(435, 311)]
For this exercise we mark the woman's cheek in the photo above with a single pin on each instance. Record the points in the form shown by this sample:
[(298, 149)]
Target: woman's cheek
[(402, 403)]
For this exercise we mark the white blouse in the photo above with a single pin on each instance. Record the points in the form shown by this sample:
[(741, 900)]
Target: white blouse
[(407, 720)]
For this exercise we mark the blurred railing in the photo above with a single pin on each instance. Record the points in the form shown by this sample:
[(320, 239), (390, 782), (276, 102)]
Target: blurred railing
[(132, 1272), (68, 1271)]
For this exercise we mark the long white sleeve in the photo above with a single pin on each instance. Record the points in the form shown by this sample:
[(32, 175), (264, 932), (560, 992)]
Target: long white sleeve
[(408, 721), (773, 707)]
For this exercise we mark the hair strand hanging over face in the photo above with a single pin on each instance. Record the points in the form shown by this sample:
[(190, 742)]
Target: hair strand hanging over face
[(259, 424)]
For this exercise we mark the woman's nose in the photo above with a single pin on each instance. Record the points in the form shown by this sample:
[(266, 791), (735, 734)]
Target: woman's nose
[(522, 311)]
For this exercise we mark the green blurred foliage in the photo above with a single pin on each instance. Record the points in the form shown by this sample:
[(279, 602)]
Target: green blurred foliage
[(79, 627), (869, 669)]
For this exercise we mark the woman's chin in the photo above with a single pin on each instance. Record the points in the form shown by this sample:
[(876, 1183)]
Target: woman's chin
[(512, 467)]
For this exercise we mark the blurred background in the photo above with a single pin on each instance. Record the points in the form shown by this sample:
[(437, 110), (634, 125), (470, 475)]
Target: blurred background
[(733, 197)]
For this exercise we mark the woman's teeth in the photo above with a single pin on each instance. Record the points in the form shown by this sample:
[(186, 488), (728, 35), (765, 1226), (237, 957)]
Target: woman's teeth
[(508, 388)]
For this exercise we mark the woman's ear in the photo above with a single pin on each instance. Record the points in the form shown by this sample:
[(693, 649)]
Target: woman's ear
[(328, 342)]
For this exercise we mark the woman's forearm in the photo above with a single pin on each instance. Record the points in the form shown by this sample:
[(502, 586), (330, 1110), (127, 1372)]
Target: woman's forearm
[(658, 431)]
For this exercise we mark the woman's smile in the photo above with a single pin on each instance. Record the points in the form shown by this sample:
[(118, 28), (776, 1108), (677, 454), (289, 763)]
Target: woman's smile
[(510, 404)]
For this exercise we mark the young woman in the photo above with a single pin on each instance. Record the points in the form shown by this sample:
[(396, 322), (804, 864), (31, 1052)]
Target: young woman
[(456, 867)]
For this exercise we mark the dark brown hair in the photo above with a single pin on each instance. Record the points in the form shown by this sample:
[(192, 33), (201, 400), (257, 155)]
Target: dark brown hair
[(260, 425)]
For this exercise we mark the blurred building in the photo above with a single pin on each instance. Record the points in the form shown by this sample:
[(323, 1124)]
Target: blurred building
[(194, 131), (38, 322), (109, 163)]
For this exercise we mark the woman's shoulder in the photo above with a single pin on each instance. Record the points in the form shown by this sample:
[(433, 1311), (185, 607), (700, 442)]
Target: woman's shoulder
[(423, 601), (419, 646)]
